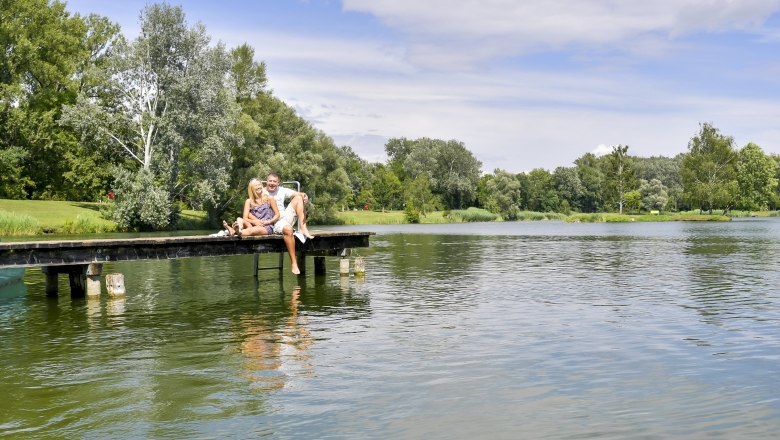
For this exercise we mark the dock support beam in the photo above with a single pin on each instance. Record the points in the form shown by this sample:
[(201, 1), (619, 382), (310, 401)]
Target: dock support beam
[(319, 266)]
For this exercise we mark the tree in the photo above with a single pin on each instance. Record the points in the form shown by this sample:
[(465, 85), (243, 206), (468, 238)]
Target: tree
[(452, 170), (653, 194), (388, 190), (633, 200), (163, 104), (418, 196), (664, 169), (569, 187), (503, 195), (756, 177), (619, 175), (592, 178), (43, 53), (709, 170), (540, 194)]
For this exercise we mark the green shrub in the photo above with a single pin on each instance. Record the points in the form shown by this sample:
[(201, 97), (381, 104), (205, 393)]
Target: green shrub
[(411, 215), (141, 204)]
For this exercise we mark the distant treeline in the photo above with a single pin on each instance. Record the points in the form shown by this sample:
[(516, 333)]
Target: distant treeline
[(170, 120)]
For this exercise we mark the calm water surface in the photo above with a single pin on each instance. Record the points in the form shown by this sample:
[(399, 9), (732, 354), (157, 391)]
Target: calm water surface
[(540, 330)]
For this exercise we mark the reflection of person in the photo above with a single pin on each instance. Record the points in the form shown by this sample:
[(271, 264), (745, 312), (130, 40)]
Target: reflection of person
[(260, 213), (288, 215), (267, 350)]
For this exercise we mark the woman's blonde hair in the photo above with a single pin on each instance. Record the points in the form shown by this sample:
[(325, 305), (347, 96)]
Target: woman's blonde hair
[(251, 192)]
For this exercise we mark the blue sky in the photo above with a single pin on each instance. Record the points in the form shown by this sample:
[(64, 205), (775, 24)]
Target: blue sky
[(523, 84)]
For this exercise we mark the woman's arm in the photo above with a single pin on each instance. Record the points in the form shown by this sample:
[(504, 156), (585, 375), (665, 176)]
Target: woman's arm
[(275, 208), (248, 216)]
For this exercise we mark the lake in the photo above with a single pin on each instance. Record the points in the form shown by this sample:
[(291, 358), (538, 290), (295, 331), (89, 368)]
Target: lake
[(541, 330)]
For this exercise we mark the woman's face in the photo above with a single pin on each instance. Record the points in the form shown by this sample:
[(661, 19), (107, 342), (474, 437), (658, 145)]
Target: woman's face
[(258, 188)]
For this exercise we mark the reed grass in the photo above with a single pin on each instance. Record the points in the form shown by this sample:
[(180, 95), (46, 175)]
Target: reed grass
[(539, 216), (472, 215), (13, 224)]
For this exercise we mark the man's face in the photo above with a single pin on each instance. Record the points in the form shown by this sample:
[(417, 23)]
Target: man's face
[(271, 183)]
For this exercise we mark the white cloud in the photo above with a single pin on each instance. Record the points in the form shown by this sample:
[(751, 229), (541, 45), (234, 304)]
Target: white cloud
[(443, 33)]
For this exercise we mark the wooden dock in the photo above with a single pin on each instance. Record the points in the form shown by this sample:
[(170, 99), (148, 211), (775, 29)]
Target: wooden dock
[(82, 260)]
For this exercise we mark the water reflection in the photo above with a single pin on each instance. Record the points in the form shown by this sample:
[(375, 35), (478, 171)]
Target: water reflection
[(276, 353)]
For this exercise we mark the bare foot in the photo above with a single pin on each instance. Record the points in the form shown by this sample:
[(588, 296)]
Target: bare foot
[(231, 231), (295, 270), (305, 232)]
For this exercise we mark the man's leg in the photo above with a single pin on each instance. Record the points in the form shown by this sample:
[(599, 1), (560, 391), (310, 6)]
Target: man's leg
[(297, 204), (289, 241)]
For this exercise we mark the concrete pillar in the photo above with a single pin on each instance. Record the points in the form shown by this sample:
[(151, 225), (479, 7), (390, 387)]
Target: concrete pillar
[(94, 271), (115, 284), (344, 266)]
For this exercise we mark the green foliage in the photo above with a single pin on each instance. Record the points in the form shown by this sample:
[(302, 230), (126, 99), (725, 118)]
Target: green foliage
[(12, 179), (756, 177), (141, 203), (667, 171), (569, 188), (540, 195), (632, 200), (653, 194)]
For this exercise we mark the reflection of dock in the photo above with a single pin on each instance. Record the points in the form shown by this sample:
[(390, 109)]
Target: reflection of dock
[(82, 259)]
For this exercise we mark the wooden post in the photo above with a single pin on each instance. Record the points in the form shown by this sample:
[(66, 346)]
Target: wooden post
[(78, 283), (319, 265), (115, 284), (94, 271), (344, 266), (257, 264), (51, 280), (360, 267), (77, 276), (301, 257)]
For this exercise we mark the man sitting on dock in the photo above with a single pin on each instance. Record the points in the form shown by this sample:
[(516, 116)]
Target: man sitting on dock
[(288, 215)]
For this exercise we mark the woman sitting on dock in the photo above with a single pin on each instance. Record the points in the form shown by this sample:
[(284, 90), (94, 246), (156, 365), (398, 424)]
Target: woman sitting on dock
[(260, 213)]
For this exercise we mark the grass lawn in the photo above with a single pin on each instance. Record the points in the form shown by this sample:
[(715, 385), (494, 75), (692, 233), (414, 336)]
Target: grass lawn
[(53, 214), (31, 217)]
